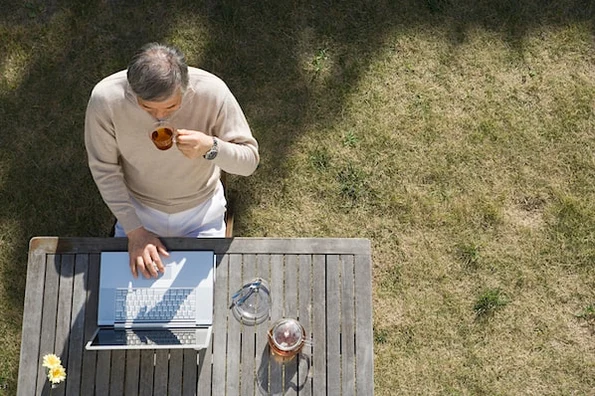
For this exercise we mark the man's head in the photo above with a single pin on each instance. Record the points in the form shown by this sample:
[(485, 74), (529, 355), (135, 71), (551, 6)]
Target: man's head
[(158, 75)]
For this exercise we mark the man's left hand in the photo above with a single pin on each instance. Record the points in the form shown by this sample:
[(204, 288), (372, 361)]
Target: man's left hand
[(193, 144)]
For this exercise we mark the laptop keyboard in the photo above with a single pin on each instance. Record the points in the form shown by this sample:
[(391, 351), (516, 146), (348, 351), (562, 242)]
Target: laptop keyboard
[(158, 337), (155, 304)]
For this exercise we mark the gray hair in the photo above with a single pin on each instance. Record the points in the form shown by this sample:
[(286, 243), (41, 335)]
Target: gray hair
[(157, 71)]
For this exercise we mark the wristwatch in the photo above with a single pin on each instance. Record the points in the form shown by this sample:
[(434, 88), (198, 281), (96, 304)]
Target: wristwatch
[(213, 151)]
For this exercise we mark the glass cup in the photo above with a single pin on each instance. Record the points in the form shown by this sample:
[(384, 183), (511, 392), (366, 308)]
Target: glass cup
[(163, 135), (252, 303)]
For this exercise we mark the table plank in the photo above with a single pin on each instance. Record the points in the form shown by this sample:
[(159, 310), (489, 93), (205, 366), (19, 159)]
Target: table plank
[(117, 372), (32, 319), (233, 328), (198, 366), (276, 378), (147, 368), (319, 382), (176, 361), (90, 357), (160, 377), (48, 321), (219, 336), (218, 245), (132, 372), (77, 325), (102, 374), (263, 270), (347, 324), (190, 371), (63, 319), (363, 326), (290, 310), (304, 316), (333, 322), (248, 357)]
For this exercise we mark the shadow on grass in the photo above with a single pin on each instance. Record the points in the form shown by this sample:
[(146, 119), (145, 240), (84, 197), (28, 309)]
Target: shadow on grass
[(269, 52)]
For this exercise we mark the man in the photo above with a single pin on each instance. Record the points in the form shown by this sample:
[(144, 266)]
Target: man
[(159, 193)]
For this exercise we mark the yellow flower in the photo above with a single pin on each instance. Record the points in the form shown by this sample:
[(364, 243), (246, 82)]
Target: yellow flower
[(56, 374), (51, 361)]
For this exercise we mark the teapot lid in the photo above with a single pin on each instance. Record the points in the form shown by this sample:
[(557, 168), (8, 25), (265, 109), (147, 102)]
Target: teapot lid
[(287, 334)]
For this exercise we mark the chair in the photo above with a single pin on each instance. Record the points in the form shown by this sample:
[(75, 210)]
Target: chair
[(229, 214)]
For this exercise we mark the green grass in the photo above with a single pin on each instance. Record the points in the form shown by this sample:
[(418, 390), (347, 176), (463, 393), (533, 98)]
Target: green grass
[(457, 135), (488, 302)]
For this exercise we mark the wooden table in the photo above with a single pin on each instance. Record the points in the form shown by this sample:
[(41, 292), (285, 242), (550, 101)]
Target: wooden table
[(324, 283)]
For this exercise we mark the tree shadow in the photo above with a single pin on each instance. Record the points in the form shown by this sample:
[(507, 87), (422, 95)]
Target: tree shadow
[(291, 64)]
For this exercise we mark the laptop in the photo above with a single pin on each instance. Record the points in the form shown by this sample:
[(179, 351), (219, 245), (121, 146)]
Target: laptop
[(172, 311)]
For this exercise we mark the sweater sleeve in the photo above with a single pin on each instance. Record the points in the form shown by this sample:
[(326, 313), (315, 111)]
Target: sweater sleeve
[(103, 157), (238, 150)]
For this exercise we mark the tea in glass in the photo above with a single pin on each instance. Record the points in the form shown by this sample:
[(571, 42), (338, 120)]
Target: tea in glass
[(163, 136)]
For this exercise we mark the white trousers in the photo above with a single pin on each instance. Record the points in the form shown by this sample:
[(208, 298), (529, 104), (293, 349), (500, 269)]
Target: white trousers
[(205, 220)]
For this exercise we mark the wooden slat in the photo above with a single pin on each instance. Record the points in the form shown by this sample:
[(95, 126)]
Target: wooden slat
[(291, 277), (363, 326), (190, 371), (290, 310), (347, 324), (248, 359), (219, 338), (117, 372), (90, 357), (305, 315), (276, 379), (333, 324), (319, 325), (48, 320), (147, 368), (64, 312), (32, 318), (174, 386), (77, 325), (233, 330), (218, 245), (263, 270), (102, 374), (197, 379), (132, 372), (276, 286), (161, 374)]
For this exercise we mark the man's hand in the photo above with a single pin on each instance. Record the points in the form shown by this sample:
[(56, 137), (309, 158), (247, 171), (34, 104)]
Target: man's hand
[(193, 144), (144, 249)]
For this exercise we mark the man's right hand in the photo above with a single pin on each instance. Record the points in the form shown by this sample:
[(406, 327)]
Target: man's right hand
[(144, 249)]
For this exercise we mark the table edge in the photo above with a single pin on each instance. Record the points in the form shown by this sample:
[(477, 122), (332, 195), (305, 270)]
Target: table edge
[(243, 245)]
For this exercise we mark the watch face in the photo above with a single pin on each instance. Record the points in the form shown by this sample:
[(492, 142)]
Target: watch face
[(212, 153)]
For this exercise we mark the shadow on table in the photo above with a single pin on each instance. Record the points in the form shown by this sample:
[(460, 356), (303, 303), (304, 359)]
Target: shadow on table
[(275, 377)]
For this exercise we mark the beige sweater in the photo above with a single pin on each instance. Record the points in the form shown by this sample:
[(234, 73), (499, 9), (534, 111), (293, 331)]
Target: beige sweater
[(124, 161)]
